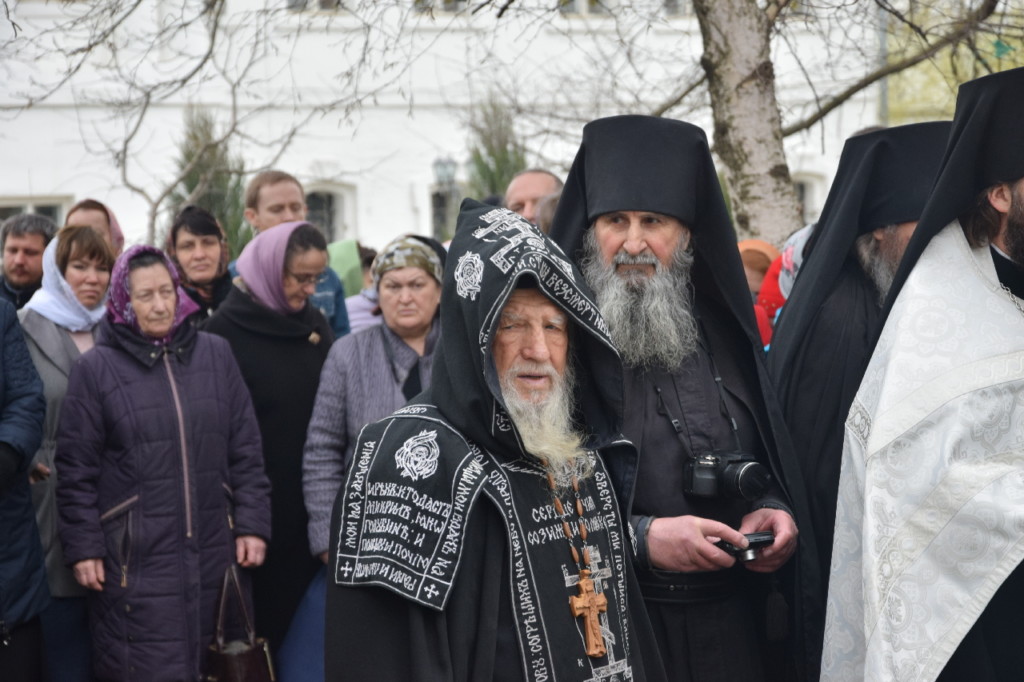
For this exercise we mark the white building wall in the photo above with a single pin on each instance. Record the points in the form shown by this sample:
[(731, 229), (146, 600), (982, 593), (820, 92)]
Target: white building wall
[(418, 84)]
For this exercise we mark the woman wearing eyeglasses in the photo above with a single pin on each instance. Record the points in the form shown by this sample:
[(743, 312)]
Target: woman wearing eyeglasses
[(280, 341)]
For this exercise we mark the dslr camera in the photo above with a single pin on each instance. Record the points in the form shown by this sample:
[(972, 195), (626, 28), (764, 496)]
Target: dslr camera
[(734, 474)]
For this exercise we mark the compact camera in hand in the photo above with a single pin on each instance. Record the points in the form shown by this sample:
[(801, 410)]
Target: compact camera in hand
[(749, 553), (726, 475)]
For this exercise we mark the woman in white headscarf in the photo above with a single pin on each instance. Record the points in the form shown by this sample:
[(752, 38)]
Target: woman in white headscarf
[(59, 324)]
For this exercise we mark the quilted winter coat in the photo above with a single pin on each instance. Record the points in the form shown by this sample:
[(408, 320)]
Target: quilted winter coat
[(23, 592), (161, 468)]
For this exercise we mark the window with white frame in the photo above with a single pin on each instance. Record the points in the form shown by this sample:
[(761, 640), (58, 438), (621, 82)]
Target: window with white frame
[(51, 207), (677, 8), (440, 5), (332, 210), (596, 7), (299, 5)]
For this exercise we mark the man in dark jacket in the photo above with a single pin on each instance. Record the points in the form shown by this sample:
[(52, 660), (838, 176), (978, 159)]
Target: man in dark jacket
[(478, 536), (274, 197), (23, 592), (22, 239)]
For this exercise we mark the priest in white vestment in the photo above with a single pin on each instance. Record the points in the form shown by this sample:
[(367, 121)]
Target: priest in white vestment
[(930, 518)]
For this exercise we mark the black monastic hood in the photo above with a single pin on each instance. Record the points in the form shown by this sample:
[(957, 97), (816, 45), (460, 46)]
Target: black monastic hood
[(985, 148), (645, 163), (883, 178), (493, 251)]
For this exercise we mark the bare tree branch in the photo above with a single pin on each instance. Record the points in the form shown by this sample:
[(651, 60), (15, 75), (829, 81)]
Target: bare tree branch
[(963, 29), (676, 99), (7, 15)]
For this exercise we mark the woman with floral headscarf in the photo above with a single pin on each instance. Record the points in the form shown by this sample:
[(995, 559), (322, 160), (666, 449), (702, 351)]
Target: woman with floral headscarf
[(161, 477), (371, 374)]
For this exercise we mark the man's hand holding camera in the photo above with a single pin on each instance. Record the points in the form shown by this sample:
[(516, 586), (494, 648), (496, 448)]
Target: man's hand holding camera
[(782, 525), (687, 543)]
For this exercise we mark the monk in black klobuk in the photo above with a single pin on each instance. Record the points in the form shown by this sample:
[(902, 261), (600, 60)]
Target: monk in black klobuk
[(643, 213), (834, 313), (478, 536)]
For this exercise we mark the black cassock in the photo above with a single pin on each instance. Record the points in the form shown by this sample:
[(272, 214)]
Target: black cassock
[(448, 558), (824, 376)]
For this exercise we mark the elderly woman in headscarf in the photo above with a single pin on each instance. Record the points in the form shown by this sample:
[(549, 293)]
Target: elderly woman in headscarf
[(196, 244), (161, 483), (371, 374), (280, 341), (60, 324), (367, 376)]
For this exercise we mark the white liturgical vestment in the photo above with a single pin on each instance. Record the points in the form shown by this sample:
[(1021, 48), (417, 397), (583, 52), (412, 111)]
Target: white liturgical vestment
[(930, 516)]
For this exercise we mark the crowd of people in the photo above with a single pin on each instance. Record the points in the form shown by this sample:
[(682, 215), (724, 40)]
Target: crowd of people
[(592, 438)]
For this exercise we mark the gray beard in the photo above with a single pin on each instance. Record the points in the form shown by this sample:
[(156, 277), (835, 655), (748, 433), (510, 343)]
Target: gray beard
[(879, 259), (650, 318), (546, 427)]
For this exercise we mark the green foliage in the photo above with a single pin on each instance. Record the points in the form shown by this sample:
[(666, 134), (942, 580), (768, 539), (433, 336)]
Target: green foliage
[(215, 181), (495, 153)]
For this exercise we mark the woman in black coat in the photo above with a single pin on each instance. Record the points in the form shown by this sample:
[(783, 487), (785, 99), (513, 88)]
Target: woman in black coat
[(280, 342)]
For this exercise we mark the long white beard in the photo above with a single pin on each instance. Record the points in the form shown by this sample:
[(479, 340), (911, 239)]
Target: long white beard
[(545, 424), (650, 318)]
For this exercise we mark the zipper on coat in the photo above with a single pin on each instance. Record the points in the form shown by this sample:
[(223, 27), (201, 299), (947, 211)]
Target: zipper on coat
[(230, 505), (184, 449), (126, 547)]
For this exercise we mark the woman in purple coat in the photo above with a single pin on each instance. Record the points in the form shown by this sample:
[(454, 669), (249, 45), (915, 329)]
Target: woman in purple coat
[(162, 484)]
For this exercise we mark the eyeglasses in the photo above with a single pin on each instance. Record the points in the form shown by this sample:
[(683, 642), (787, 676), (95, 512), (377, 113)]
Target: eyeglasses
[(304, 280)]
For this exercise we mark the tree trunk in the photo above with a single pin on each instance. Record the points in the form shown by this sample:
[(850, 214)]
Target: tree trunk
[(748, 126)]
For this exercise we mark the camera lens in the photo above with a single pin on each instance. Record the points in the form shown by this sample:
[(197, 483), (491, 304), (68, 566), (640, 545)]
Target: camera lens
[(748, 480)]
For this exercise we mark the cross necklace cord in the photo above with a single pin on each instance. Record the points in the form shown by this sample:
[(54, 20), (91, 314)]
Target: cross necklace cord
[(587, 604)]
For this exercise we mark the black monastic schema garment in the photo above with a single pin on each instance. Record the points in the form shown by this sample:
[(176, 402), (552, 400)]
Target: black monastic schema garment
[(448, 559)]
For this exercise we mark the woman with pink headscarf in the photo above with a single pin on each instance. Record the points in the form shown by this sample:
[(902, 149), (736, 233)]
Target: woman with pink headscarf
[(91, 213), (280, 341)]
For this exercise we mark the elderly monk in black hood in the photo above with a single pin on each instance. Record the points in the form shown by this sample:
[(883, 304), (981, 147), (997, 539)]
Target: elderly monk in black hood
[(821, 343), (643, 212), (479, 534)]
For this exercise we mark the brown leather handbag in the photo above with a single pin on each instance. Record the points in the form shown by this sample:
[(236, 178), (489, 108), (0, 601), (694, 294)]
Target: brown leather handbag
[(240, 660)]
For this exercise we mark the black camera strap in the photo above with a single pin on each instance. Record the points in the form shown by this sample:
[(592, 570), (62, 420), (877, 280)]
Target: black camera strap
[(723, 401), (677, 425)]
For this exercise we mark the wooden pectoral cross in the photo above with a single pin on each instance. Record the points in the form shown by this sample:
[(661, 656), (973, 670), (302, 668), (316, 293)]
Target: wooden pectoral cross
[(588, 604)]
